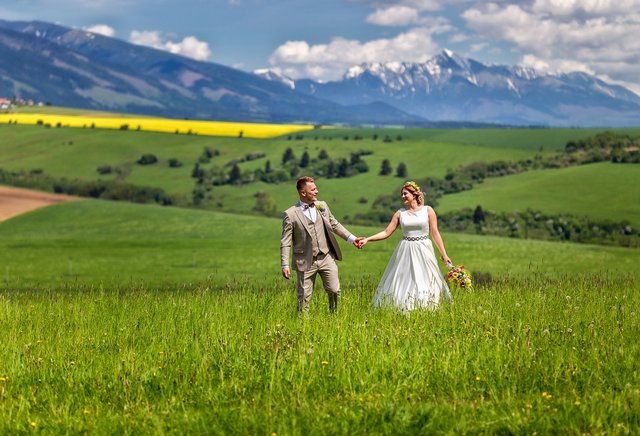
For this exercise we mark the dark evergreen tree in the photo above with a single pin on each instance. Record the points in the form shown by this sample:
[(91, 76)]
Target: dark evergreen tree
[(304, 161), (288, 155), (478, 215), (235, 176), (401, 171), (343, 168), (385, 168), (331, 169)]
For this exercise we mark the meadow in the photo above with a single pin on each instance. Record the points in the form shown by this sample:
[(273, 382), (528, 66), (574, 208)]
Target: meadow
[(77, 153), (141, 319), (124, 318), (603, 191)]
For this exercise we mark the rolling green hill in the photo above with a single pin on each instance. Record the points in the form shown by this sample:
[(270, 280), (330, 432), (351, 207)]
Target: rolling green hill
[(77, 153), (102, 243), (604, 191)]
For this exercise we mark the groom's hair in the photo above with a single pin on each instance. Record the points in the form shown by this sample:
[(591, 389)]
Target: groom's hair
[(303, 181)]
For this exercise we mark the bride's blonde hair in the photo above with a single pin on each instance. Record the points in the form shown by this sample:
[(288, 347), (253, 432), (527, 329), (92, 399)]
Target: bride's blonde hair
[(415, 190)]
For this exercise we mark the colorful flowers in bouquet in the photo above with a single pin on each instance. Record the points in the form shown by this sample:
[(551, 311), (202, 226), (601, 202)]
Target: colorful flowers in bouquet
[(460, 277)]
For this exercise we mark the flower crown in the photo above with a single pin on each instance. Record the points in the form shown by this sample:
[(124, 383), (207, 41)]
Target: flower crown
[(414, 185)]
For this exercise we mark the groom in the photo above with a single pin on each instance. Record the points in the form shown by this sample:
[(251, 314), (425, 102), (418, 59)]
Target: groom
[(308, 227)]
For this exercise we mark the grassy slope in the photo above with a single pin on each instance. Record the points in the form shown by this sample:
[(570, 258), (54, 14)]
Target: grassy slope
[(530, 139), (99, 242), (604, 191), (427, 153)]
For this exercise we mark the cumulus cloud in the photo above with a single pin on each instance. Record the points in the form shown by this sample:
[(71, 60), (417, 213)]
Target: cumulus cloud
[(101, 29), (393, 16), (329, 61), (584, 8), (189, 47), (594, 36)]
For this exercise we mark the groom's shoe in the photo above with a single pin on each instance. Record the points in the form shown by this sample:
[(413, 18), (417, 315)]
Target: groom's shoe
[(333, 302)]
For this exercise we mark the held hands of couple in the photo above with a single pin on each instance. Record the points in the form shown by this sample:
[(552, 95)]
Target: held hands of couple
[(360, 242)]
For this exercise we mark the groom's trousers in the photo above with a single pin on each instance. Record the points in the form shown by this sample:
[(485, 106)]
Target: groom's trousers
[(325, 266)]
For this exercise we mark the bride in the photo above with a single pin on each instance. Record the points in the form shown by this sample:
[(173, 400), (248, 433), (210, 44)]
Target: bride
[(412, 278)]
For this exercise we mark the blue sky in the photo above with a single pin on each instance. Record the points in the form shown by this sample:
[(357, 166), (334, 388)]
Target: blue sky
[(321, 39)]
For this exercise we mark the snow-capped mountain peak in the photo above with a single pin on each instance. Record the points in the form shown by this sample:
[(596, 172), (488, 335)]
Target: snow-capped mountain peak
[(275, 77)]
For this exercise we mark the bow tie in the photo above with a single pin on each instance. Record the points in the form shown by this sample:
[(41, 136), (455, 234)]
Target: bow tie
[(307, 206)]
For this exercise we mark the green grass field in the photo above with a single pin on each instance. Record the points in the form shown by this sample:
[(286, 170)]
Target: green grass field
[(122, 318), (119, 318), (94, 243), (77, 153), (604, 191)]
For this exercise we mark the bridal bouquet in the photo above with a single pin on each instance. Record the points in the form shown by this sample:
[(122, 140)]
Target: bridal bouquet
[(460, 277)]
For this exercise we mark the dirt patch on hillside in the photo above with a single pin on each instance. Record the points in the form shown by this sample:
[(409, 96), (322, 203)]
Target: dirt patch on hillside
[(15, 201)]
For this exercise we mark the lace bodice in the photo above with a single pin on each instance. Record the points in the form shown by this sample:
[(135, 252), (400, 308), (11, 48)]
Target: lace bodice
[(414, 224)]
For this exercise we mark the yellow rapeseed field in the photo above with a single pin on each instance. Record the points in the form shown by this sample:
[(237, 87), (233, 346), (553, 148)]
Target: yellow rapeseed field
[(208, 128)]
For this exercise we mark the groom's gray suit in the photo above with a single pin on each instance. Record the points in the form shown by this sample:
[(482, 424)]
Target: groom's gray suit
[(315, 250)]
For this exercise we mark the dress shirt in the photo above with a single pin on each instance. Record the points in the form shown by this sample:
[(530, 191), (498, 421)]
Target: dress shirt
[(309, 210)]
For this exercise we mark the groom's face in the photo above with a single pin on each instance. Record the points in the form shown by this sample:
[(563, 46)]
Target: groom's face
[(309, 193)]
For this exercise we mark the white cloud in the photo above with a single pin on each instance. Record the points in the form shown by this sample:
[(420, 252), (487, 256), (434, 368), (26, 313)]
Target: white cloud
[(189, 47), (101, 29), (584, 8), (393, 16), (420, 5), (329, 61), (478, 47), (555, 65), (593, 36)]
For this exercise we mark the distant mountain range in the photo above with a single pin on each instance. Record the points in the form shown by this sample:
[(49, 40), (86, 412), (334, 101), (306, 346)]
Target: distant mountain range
[(71, 67), (452, 88)]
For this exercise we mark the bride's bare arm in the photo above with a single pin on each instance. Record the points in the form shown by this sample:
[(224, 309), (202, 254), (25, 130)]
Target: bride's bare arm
[(435, 236), (393, 225)]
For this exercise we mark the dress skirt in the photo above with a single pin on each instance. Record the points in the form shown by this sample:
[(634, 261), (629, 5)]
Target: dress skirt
[(412, 278)]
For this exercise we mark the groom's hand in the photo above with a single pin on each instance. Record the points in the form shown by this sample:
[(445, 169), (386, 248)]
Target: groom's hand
[(360, 242), (286, 273)]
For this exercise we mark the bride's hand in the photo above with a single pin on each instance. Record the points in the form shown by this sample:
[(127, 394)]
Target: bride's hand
[(360, 242)]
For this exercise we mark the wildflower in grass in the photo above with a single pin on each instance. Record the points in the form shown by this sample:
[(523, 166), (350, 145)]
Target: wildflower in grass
[(324, 363), (33, 424), (460, 277), (577, 402), (546, 395)]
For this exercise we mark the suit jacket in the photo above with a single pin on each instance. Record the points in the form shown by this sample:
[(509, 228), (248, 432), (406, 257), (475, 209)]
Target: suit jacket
[(296, 236)]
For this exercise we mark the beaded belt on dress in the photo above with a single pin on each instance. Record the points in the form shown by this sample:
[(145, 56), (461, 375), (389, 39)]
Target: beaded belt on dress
[(415, 238)]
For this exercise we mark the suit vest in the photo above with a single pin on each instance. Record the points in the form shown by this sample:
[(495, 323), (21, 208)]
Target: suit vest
[(318, 232)]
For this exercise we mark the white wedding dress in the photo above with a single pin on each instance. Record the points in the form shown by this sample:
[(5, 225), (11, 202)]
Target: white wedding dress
[(412, 278)]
